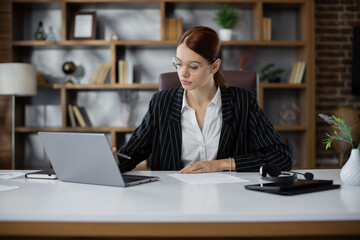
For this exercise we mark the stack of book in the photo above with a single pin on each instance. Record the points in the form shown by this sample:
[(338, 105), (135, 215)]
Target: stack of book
[(100, 73), (78, 116), (297, 72), (173, 28), (126, 72), (267, 29)]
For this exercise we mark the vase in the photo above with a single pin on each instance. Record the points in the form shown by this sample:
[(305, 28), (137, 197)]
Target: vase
[(350, 172), (40, 32), (225, 34)]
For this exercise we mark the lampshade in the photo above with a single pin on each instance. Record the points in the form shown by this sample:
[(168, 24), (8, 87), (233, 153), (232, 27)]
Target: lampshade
[(18, 79)]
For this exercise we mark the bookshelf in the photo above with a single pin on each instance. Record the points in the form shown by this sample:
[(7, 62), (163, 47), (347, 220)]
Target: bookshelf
[(143, 38)]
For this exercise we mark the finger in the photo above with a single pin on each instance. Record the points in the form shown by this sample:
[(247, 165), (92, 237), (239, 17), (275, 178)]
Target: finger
[(185, 170), (200, 170), (188, 168), (115, 155)]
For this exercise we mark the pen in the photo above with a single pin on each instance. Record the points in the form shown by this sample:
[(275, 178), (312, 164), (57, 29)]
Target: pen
[(123, 155)]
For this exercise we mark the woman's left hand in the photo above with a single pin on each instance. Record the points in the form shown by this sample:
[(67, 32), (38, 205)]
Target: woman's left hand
[(207, 166)]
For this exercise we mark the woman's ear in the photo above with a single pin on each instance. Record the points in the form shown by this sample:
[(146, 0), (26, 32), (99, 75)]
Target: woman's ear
[(215, 66)]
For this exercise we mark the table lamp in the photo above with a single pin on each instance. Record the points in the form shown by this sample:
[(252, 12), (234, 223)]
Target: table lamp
[(17, 79)]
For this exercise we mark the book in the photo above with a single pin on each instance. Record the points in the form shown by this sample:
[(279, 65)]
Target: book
[(266, 28), (71, 115), (121, 72), (78, 116), (297, 72), (173, 28), (301, 72), (293, 70), (85, 116), (104, 72), (125, 71), (96, 73), (179, 28), (166, 35), (269, 29), (264, 24), (129, 72)]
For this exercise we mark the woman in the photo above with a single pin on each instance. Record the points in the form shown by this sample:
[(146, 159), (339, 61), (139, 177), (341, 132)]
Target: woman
[(204, 126)]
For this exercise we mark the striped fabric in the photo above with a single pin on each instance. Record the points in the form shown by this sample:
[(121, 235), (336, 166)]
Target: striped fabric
[(244, 124)]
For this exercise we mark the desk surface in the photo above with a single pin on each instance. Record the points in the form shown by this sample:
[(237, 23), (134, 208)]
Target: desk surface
[(172, 201)]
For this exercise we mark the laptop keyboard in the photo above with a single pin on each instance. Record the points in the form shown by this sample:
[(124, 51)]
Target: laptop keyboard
[(130, 179)]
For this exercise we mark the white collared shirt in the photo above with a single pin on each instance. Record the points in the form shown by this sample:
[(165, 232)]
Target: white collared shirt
[(200, 145)]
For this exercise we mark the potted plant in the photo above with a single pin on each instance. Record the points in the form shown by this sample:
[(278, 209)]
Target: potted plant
[(270, 74), (350, 172), (226, 18)]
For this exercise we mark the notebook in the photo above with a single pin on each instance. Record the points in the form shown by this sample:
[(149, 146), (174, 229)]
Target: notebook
[(86, 158), (294, 187)]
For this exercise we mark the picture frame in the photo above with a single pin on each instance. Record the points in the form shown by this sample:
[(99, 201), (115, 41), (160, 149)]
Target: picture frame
[(83, 25)]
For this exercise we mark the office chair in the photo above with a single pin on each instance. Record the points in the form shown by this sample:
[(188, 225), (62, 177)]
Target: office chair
[(241, 79)]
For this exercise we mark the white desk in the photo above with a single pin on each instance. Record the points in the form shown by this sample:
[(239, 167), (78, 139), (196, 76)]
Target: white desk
[(171, 208)]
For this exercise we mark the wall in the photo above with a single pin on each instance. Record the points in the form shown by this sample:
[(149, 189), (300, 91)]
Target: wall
[(334, 22)]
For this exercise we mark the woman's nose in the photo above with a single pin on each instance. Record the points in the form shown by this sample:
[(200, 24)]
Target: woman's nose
[(184, 71)]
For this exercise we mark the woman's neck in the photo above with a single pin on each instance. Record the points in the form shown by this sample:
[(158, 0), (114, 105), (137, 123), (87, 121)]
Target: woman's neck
[(202, 96)]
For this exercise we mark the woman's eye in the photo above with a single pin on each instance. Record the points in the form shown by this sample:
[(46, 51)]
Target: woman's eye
[(194, 67)]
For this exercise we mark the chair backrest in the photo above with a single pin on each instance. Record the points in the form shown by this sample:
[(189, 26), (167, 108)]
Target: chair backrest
[(241, 79)]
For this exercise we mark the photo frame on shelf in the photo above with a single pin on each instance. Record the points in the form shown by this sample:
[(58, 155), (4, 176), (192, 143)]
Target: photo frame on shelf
[(83, 25)]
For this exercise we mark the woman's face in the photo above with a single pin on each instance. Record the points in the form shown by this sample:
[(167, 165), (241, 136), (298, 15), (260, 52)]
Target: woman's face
[(194, 71)]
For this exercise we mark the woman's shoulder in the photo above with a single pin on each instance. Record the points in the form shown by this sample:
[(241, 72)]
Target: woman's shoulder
[(241, 93), (167, 95)]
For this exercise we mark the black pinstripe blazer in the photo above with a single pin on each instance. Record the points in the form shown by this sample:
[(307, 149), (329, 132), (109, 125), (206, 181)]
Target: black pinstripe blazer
[(244, 124)]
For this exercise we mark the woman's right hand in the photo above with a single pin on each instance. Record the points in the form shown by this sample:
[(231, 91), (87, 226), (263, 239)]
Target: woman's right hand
[(115, 154)]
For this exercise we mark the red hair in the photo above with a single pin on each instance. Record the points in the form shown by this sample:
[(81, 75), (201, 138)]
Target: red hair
[(205, 42)]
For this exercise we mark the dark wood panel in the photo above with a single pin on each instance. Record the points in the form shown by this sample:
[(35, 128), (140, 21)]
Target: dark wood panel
[(5, 101)]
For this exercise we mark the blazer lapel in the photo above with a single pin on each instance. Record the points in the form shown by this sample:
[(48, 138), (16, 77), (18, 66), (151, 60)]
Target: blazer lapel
[(226, 136), (175, 128)]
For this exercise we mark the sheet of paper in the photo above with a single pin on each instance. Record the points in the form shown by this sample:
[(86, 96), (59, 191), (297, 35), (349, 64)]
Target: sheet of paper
[(10, 175), (205, 178), (7, 188)]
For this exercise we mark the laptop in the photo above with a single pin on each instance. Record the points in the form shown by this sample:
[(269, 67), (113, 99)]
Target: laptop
[(86, 158)]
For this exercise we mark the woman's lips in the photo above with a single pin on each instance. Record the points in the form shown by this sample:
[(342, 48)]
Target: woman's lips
[(185, 82)]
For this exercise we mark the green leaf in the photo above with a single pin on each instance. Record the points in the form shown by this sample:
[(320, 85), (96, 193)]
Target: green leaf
[(343, 135), (226, 17)]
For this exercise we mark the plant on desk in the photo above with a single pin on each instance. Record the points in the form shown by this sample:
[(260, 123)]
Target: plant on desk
[(350, 172)]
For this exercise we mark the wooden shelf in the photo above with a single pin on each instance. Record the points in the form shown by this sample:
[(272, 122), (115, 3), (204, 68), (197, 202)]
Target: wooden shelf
[(266, 43), (297, 44), (31, 43), (145, 86), (150, 43), (282, 85), (74, 129), (61, 43)]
